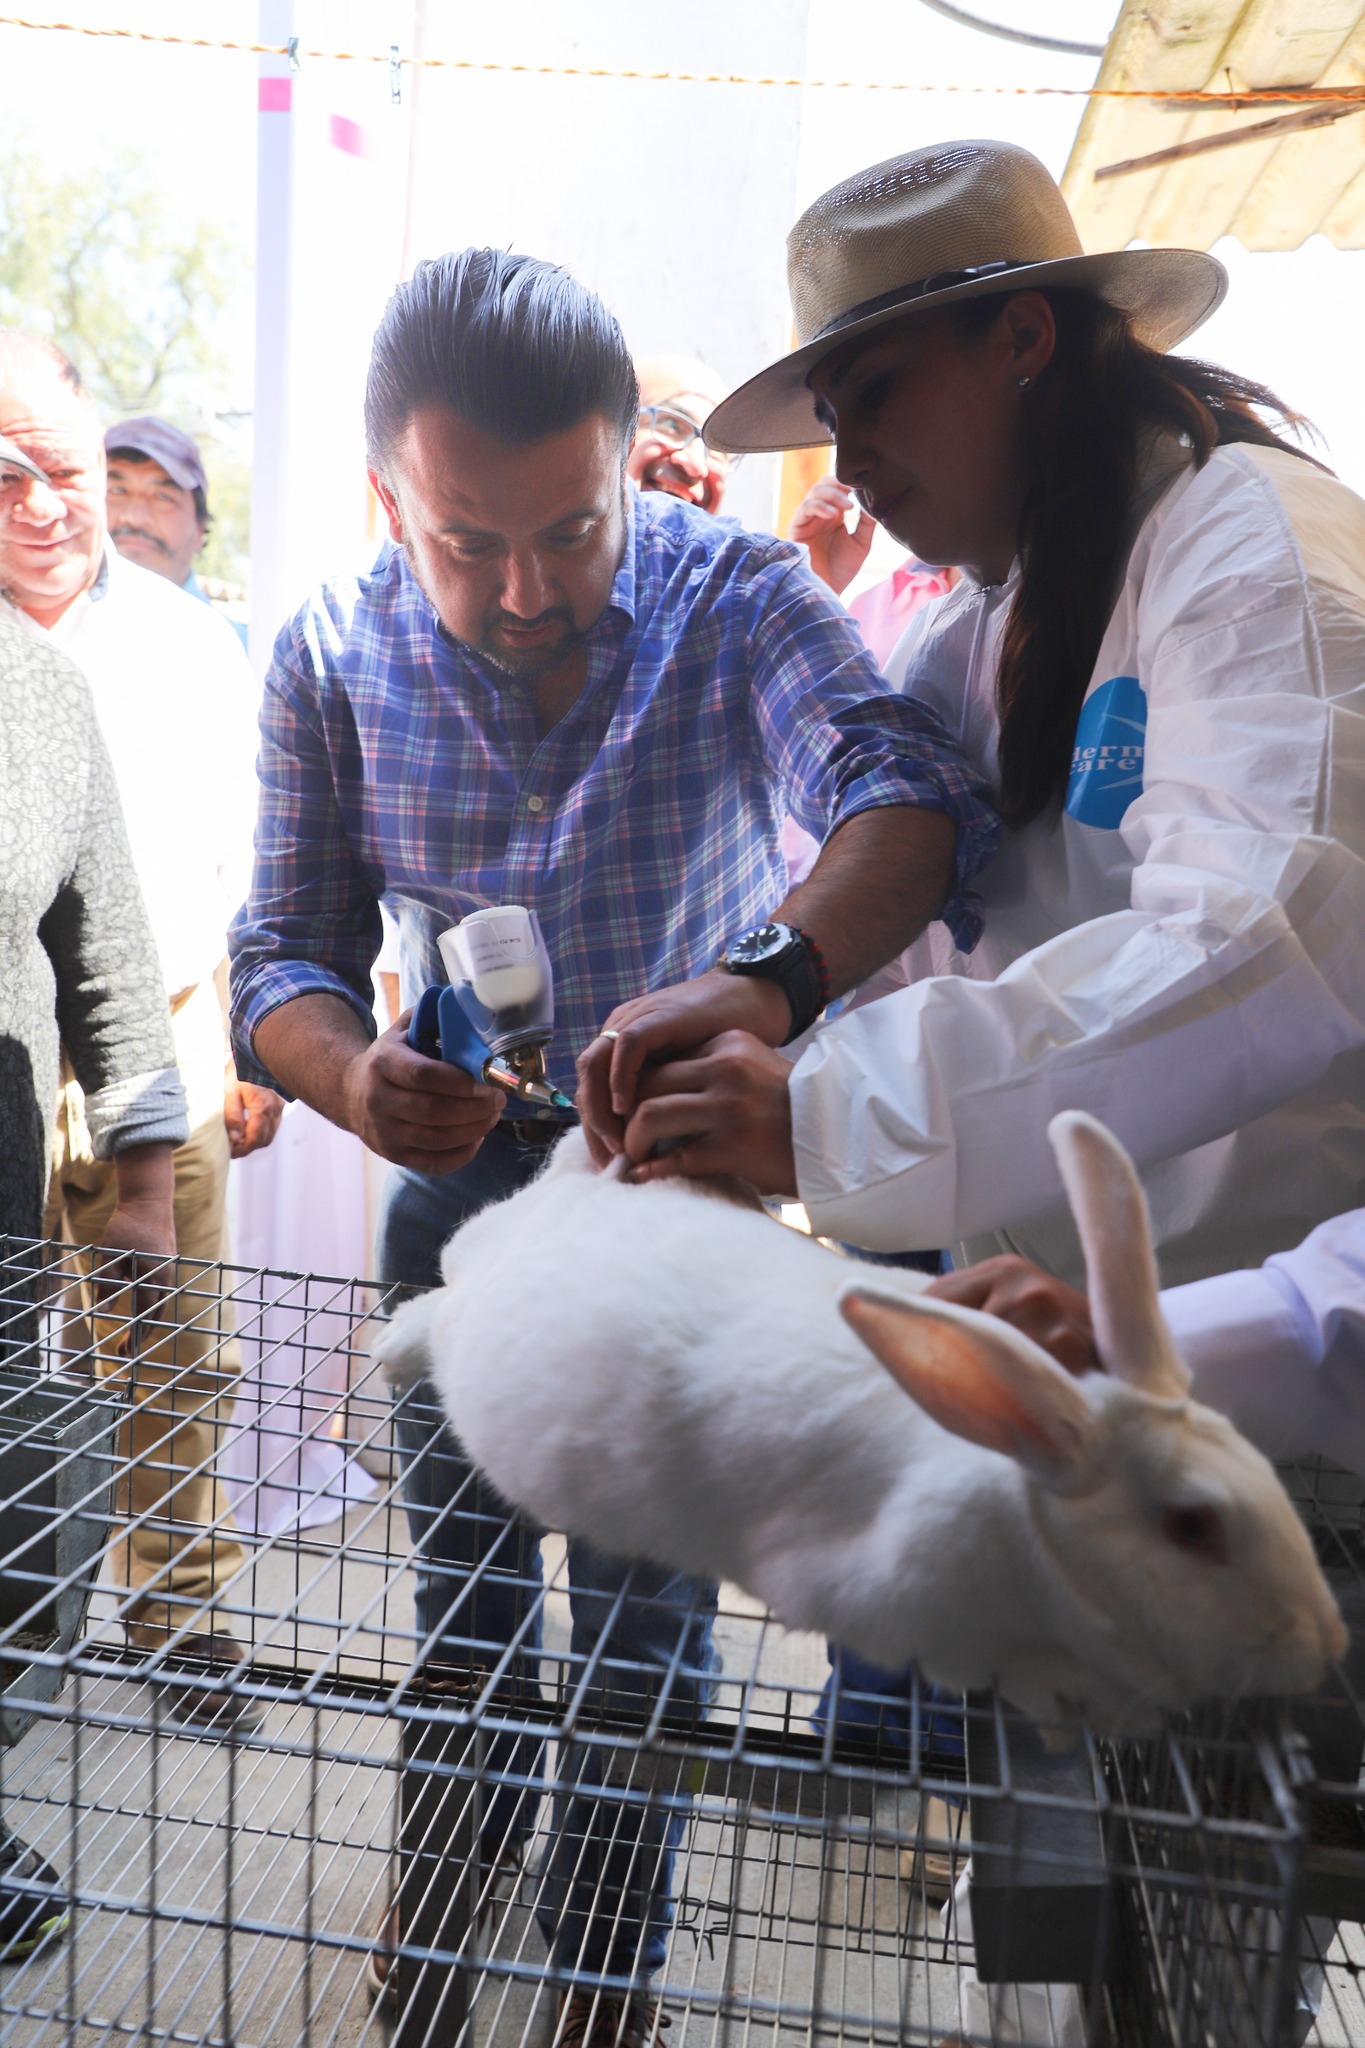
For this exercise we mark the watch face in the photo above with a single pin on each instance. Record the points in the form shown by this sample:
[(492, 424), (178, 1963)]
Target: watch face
[(766, 943)]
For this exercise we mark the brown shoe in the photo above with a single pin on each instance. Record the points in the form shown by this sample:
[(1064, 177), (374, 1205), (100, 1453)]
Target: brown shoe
[(605, 2019), (200, 1705)]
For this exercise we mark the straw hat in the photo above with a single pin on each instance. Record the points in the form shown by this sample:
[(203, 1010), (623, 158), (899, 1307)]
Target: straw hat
[(951, 222)]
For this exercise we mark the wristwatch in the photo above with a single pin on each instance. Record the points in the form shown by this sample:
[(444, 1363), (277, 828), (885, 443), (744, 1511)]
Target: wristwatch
[(790, 957)]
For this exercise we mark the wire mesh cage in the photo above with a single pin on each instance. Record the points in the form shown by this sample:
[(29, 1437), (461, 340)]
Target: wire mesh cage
[(272, 1805)]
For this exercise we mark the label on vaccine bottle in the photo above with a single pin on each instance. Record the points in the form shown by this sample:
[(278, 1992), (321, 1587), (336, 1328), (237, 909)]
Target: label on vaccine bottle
[(495, 952)]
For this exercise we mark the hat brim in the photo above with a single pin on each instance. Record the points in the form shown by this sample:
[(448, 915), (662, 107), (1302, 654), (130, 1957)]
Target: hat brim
[(14, 458), (1166, 293)]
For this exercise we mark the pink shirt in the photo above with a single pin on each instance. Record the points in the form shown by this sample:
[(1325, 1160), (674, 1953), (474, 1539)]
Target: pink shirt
[(882, 614), (884, 611)]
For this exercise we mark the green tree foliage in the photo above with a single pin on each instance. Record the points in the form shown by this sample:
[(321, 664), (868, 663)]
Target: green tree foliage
[(225, 552), (90, 258)]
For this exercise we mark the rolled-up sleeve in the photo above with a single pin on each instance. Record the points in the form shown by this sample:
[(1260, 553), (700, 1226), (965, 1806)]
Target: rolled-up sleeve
[(310, 924), (840, 742)]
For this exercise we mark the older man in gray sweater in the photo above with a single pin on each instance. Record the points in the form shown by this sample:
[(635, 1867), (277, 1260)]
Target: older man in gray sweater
[(76, 961)]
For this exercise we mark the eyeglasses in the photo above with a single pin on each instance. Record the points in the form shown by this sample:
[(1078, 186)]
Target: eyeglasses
[(677, 431)]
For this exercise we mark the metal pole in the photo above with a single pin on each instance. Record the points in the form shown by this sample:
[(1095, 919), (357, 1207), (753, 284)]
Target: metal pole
[(408, 257), (274, 264)]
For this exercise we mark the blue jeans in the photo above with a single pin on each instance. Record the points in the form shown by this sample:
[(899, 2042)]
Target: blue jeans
[(605, 1895)]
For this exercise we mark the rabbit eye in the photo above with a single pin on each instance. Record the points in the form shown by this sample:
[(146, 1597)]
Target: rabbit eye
[(1198, 1530)]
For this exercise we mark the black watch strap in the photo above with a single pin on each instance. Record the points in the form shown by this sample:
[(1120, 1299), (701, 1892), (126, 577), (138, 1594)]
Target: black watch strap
[(800, 981), (799, 972)]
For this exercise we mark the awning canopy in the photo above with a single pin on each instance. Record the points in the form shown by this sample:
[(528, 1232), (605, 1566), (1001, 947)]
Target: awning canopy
[(1304, 174)]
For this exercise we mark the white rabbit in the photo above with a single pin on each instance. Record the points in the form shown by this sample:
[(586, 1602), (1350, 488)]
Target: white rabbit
[(675, 1377)]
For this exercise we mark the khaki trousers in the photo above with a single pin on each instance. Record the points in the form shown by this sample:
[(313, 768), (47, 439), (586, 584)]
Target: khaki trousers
[(181, 1547)]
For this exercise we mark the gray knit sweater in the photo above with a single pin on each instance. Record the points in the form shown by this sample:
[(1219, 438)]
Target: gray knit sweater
[(77, 959)]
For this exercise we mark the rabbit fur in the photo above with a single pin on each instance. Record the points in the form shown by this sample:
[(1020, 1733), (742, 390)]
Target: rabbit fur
[(681, 1379)]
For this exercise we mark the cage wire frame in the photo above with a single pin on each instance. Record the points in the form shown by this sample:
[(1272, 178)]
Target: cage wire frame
[(231, 1884)]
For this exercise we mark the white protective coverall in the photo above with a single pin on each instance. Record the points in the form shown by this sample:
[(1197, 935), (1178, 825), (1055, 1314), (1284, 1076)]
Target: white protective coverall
[(1282, 1349), (1182, 952)]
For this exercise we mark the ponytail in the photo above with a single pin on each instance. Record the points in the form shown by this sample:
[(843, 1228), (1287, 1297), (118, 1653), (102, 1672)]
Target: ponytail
[(1084, 425)]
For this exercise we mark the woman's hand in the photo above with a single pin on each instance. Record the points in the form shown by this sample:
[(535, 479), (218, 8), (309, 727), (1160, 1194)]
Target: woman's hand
[(820, 523), (726, 1109), (1054, 1315)]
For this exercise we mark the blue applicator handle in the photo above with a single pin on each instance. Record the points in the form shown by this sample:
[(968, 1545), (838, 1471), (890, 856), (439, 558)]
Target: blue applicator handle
[(440, 1030)]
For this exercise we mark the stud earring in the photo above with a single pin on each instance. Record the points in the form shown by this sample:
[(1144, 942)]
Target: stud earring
[(1024, 383)]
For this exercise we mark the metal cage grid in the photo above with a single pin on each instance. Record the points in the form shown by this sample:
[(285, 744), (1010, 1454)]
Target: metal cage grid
[(230, 1887)]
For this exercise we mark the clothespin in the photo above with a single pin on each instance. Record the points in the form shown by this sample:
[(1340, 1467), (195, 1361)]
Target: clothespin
[(395, 76), (293, 51)]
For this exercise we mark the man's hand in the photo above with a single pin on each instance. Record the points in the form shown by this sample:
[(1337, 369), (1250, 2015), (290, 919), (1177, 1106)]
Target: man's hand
[(1053, 1314), (836, 555), (671, 1020), (417, 1112), (143, 1227), (252, 1115), (879, 879), (725, 1110)]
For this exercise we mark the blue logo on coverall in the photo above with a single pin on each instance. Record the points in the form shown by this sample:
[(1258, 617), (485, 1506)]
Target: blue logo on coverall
[(1106, 764)]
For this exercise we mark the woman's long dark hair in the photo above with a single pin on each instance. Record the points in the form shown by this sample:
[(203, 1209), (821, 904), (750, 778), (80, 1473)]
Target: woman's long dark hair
[(1084, 424)]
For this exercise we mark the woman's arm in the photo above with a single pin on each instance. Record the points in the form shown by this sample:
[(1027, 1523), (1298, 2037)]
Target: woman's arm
[(1229, 984), (1279, 1349)]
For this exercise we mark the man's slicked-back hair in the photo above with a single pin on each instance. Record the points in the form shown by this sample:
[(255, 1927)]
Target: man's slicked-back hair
[(518, 348)]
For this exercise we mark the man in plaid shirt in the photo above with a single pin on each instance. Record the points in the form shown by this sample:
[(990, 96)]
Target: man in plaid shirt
[(554, 691)]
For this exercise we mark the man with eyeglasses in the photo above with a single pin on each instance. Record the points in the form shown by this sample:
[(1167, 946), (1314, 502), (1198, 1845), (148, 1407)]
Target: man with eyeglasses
[(669, 453)]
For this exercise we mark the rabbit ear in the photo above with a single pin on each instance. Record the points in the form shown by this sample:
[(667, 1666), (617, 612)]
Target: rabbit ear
[(1111, 1216), (983, 1381)]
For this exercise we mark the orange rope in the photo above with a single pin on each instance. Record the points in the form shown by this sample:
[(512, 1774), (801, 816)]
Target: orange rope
[(1278, 95)]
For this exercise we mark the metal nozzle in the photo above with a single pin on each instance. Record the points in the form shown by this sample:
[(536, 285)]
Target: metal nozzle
[(521, 1071)]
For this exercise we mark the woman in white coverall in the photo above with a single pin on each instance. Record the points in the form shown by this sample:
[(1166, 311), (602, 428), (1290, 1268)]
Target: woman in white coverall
[(1157, 653)]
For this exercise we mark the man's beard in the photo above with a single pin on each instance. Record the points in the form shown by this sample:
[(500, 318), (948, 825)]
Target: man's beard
[(523, 664)]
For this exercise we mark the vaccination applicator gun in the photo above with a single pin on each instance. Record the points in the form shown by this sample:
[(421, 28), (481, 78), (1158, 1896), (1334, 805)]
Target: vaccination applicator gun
[(498, 1014)]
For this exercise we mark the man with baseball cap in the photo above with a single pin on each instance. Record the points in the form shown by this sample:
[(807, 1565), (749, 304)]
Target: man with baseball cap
[(158, 501)]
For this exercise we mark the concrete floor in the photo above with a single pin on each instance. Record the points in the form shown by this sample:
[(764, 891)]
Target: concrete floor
[(231, 1892)]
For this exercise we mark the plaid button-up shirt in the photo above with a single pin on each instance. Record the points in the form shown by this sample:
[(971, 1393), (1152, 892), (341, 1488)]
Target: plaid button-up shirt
[(724, 687)]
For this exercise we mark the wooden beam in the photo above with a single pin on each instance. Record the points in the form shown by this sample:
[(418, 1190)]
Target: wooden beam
[(1261, 131)]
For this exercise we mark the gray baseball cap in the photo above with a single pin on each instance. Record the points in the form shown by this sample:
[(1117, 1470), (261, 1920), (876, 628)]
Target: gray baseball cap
[(15, 458), (165, 444)]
